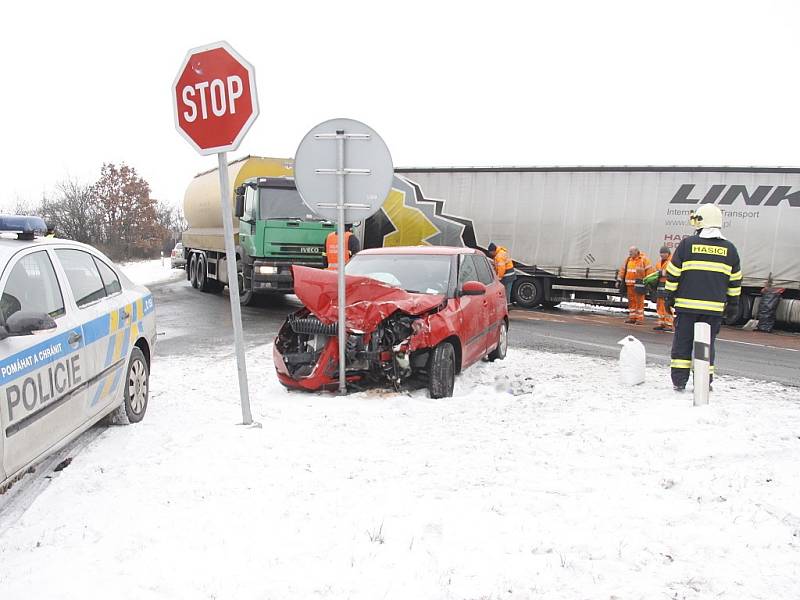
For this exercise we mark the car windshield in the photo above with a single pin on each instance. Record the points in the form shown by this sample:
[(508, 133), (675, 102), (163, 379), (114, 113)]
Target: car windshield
[(282, 203), (418, 273)]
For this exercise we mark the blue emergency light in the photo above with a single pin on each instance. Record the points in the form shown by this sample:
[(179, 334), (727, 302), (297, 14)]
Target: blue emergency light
[(26, 227)]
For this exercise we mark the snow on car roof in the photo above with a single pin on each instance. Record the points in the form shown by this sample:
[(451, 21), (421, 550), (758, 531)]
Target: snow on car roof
[(446, 250)]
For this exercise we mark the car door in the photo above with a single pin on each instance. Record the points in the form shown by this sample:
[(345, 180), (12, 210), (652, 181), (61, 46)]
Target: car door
[(495, 297), (100, 301), (473, 313), (42, 375)]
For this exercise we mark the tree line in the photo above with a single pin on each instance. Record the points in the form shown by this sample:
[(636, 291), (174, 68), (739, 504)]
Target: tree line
[(115, 214)]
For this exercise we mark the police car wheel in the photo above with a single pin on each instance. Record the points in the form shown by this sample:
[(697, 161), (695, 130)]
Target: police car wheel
[(135, 391)]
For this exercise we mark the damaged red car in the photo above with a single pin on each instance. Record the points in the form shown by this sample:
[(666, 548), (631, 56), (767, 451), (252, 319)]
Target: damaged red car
[(415, 317)]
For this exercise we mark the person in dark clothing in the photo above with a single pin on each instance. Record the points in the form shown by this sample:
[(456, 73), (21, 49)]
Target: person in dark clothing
[(704, 279)]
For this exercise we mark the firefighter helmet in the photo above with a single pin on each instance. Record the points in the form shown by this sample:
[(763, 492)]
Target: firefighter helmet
[(708, 215)]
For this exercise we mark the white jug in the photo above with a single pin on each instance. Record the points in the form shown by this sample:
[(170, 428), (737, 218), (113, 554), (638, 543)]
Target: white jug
[(632, 360)]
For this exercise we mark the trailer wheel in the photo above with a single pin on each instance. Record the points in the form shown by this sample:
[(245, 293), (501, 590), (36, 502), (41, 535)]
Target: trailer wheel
[(743, 314), (193, 270), (442, 371), (528, 292)]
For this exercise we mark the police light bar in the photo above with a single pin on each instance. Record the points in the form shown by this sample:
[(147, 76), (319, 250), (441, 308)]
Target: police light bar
[(24, 226)]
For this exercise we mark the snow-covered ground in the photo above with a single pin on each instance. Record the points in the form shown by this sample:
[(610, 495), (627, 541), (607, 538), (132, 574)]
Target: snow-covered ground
[(542, 478), (145, 272)]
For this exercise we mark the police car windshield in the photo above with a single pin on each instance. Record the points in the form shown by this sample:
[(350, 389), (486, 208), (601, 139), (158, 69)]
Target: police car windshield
[(421, 274), (282, 203)]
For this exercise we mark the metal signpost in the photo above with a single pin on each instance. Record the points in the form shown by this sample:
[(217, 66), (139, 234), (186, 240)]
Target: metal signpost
[(701, 363), (362, 165), (215, 103)]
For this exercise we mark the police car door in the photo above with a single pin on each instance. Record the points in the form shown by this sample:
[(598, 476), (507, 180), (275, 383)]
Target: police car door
[(106, 323), (42, 375)]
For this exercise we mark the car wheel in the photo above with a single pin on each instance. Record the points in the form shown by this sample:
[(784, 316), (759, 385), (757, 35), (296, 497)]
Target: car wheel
[(193, 270), (135, 392), (442, 371), (528, 292), (499, 353)]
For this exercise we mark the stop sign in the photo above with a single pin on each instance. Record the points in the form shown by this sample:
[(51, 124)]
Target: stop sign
[(214, 98)]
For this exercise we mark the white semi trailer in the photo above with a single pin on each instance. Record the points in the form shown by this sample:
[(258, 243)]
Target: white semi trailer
[(569, 229)]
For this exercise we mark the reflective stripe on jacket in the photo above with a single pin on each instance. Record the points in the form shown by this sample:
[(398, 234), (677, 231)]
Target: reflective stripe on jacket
[(636, 267), (332, 249), (502, 262), (703, 274)]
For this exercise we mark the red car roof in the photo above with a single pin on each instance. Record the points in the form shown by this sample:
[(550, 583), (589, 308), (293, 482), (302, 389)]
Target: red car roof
[(430, 250)]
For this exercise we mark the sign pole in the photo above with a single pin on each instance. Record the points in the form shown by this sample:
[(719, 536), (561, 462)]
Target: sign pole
[(702, 361), (341, 262), (233, 286)]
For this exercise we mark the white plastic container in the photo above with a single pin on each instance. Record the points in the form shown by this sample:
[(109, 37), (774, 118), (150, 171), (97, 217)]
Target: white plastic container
[(632, 360)]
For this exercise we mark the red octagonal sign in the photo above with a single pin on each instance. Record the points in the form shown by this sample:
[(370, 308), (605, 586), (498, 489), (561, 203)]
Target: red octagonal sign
[(214, 97)]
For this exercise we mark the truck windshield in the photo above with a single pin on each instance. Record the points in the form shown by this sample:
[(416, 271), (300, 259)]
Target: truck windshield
[(422, 274), (282, 203)]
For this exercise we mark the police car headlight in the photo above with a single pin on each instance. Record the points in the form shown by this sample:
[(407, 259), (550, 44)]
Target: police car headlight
[(266, 270)]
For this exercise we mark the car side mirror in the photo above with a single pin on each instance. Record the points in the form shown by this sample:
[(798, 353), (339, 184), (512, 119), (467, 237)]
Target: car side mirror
[(473, 288), (26, 323), (240, 201)]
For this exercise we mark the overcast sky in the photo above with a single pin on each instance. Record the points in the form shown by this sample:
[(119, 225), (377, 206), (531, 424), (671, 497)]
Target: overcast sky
[(444, 83)]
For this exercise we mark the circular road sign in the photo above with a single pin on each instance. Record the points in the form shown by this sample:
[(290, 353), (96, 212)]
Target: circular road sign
[(367, 164), (214, 98)]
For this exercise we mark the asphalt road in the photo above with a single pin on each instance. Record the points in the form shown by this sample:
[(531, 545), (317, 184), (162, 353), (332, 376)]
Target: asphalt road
[(192, 322)]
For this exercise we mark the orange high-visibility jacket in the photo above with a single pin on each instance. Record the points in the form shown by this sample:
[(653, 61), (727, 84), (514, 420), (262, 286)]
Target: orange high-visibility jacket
[(502, 261), (636, 267), (662, 269), (332, 249)]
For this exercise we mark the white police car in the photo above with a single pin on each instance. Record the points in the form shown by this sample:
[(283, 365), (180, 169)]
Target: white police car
[(76, 339)]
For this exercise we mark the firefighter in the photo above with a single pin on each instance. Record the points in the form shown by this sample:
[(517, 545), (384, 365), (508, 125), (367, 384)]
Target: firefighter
[(504, 267), (351, 244), (664, 311), (637, 266), (702, 276)]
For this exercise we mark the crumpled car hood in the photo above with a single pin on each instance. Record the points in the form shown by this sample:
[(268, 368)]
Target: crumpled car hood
[(368, 301)]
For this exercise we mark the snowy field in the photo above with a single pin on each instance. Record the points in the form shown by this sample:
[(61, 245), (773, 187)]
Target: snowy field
[(146, 272), (542, 478)]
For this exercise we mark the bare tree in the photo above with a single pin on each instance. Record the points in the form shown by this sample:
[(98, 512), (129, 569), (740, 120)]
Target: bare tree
[(73, 212)]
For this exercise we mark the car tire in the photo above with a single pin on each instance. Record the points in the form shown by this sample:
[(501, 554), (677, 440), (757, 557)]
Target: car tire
[(442, 371), (528, 292), (193, 270), (135, 390), (500, 352)]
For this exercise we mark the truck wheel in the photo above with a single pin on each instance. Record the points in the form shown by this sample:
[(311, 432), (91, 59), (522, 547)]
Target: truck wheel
[(528, 292), (442, 371), (744, 312), (499, 353), (204, 284), (246, 295), (193, 270), (135, 391)]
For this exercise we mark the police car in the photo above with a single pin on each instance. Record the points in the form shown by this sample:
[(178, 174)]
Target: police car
[(76, 340)]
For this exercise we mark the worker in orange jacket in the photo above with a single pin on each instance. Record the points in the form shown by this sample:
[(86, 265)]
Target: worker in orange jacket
[(351, 244), (637, 266), (664, 311), (504, 267)]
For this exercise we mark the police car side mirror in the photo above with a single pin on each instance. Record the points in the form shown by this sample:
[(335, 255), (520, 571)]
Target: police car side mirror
[(25, 323)]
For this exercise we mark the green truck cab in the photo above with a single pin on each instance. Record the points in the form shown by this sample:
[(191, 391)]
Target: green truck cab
[(276, 230)]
